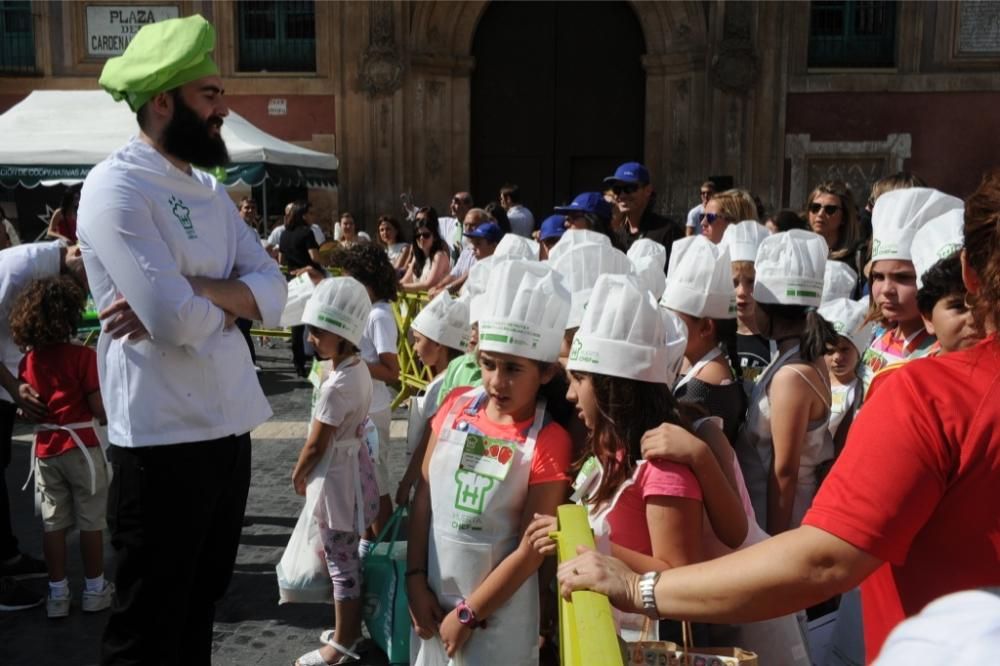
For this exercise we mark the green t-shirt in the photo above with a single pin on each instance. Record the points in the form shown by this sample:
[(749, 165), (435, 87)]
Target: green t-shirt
[(463, 371)]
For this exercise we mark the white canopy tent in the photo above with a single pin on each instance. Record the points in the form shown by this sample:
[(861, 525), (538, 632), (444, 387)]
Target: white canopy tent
[(59, 135)]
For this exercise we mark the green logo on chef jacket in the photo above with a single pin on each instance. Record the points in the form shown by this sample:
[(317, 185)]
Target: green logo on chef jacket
[(183, 215)]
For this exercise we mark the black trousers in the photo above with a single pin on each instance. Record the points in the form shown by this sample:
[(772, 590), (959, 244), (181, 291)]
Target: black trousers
[(175, 513), (8, 542), (299, 359)]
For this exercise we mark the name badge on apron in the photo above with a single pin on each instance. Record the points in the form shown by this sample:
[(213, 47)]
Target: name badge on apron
[(486, 456), (586, 479)]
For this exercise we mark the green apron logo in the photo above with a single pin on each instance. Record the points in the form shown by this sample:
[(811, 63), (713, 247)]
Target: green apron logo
[(183, 215)]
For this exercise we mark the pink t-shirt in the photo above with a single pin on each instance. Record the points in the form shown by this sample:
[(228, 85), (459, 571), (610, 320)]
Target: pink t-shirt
[(655, 478)]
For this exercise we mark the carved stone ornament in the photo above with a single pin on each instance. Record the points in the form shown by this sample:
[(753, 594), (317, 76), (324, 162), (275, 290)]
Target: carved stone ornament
[(381, 67), (381, 70), (734, 67)]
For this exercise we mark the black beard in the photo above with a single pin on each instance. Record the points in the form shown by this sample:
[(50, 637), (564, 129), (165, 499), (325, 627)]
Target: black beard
[(187, 137)]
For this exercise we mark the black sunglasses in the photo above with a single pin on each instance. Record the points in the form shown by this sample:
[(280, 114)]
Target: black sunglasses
[(712, 217), (829, 209), (625, 189), (424, 234), (460, 200)]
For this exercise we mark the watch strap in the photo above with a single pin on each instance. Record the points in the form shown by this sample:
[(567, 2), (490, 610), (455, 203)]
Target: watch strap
[(647, 590)]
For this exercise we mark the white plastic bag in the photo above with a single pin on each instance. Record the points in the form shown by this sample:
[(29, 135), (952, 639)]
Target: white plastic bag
[(299, 291), (432, 653), (302, 573)]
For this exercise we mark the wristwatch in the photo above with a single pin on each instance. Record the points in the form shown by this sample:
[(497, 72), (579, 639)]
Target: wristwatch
[(467, 616), (647, 589)]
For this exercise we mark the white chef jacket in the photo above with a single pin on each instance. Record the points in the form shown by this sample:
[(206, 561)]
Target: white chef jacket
[(143, 226), (19, 266)]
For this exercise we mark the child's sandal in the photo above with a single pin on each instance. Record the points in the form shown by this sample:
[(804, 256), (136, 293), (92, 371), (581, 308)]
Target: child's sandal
[(315, 658)]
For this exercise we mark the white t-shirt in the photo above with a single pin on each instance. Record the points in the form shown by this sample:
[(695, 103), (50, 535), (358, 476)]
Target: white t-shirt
[(344, 399), (522, 222), (380, 337), (450, 229), (694, 216), (422, 408)]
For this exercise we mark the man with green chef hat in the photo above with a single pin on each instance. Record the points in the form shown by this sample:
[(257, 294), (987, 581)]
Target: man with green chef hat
[(171, 266)]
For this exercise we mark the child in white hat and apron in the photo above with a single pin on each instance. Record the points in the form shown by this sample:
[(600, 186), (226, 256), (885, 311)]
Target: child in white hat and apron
[(848, 318), (896, 218), (753, 349), (440, 335), (335, 318), (700, 291), (494, 460), (785, 435)]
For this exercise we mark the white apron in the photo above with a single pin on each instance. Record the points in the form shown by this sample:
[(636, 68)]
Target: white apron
[(70, 428), (755, 447), (478, 491), (632, 627)]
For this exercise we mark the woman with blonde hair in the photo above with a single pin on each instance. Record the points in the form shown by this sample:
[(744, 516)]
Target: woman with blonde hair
[(726, 208)]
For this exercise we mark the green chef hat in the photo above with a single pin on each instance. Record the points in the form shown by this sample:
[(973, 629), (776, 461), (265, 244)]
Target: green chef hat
[(161, 56)]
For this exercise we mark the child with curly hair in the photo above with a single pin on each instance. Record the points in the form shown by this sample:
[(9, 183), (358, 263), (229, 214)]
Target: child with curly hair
[(69, 465)]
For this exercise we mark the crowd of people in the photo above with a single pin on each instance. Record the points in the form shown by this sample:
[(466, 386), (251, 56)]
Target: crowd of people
[(758, 418)]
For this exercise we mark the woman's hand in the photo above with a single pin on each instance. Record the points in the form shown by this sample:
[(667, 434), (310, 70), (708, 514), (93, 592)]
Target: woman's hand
[(601, 573), (425, 611), (454, 633), (538, 532), (300, 479), (672, 442)]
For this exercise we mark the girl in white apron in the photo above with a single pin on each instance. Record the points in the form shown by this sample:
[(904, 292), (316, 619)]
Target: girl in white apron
[(335, 317), (785, 436), (492, 462), (700, 291)]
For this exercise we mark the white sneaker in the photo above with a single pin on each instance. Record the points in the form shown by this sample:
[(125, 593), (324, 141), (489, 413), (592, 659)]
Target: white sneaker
[(57, 606), (94, 602)]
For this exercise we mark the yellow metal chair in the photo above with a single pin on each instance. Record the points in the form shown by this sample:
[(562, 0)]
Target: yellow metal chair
[(413, 376)]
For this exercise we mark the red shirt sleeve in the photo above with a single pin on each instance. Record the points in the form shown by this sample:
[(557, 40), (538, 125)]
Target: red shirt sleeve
[(553, 452), (88, 375), (893, 470)]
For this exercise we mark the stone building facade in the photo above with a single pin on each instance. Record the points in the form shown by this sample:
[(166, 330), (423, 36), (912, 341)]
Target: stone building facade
[(432, 97)]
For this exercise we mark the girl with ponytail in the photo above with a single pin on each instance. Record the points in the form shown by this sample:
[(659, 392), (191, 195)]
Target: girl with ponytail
[(785, 437)]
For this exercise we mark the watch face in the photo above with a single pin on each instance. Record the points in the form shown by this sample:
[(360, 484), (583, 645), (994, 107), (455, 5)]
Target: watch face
[(464, 616)]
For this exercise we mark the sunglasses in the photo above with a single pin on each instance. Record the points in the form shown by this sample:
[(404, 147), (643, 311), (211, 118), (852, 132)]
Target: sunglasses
[(829, 209), (460, 200), (625, 189), (424, 234), (712, 217)]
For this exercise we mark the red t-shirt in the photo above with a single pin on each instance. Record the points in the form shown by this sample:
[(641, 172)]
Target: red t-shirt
[(64, 375), (656, 478), (918, 485), (552, 449)]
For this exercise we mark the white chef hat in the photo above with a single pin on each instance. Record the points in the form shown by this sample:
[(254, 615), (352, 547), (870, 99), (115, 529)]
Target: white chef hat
[(339, 305), (848, 319), (839, 280), (580, 266), (743, 239), (574, 237), (790, 268), (475, 285), (516, 247), (623, 334), (700, 279), (677, 339), (445, 320), (649, 258), (938, 239), (525, 312), (899, 214)]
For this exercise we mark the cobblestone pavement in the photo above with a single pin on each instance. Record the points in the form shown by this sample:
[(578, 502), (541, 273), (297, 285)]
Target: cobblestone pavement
[(250, 626)]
